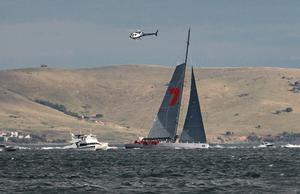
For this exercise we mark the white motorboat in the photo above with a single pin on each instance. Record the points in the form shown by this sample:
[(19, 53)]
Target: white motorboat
[(266, 145), (86, 142)]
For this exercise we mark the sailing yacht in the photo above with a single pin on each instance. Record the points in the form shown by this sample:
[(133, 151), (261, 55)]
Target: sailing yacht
[(163, 131)]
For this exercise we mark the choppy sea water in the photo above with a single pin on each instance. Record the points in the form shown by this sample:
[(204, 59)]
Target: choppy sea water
[(240, 170)]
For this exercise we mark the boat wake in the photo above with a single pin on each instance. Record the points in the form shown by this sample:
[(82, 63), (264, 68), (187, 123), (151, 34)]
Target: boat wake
[(24, 148), (114, 148), (217, 146), (291, 146), (51, 148)]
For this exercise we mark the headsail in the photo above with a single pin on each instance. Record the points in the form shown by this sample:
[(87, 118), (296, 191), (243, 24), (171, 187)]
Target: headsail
[(165, 123), (193, 129)]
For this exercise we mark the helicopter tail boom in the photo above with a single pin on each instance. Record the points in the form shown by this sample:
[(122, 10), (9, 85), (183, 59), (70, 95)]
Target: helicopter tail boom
[(149, 34)]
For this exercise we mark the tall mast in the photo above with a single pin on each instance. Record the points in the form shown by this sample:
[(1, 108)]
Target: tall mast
[(187, 46), (166, 121)]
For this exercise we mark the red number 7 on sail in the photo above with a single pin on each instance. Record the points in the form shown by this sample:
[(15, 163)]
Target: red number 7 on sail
[(175, 94)]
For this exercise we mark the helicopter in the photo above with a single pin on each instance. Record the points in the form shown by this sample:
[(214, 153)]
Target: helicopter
[(138, 34)]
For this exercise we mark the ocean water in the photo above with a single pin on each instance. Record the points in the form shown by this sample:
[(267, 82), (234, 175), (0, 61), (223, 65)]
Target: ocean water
[(239, 170)]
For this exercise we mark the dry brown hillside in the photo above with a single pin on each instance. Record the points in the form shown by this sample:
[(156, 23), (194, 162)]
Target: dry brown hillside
[(242, 100)]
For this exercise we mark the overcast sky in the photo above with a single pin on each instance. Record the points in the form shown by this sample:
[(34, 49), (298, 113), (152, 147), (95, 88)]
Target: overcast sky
[(94, 33)]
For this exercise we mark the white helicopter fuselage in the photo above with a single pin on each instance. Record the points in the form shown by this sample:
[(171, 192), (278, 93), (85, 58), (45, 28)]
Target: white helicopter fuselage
[(138, 34)]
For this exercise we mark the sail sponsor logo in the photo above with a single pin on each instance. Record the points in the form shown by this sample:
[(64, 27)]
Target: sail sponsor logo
[(175, 94)]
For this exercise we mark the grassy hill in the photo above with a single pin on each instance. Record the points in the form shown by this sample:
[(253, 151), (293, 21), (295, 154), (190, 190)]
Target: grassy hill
[(241, 100)]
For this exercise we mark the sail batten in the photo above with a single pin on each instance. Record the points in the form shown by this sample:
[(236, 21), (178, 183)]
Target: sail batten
[(193, 128)]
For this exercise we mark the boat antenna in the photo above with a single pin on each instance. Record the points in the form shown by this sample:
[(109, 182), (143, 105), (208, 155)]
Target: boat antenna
[(187, 46)]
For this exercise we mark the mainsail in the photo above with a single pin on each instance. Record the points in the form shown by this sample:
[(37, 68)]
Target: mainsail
[(193, 129), (166, 121)]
